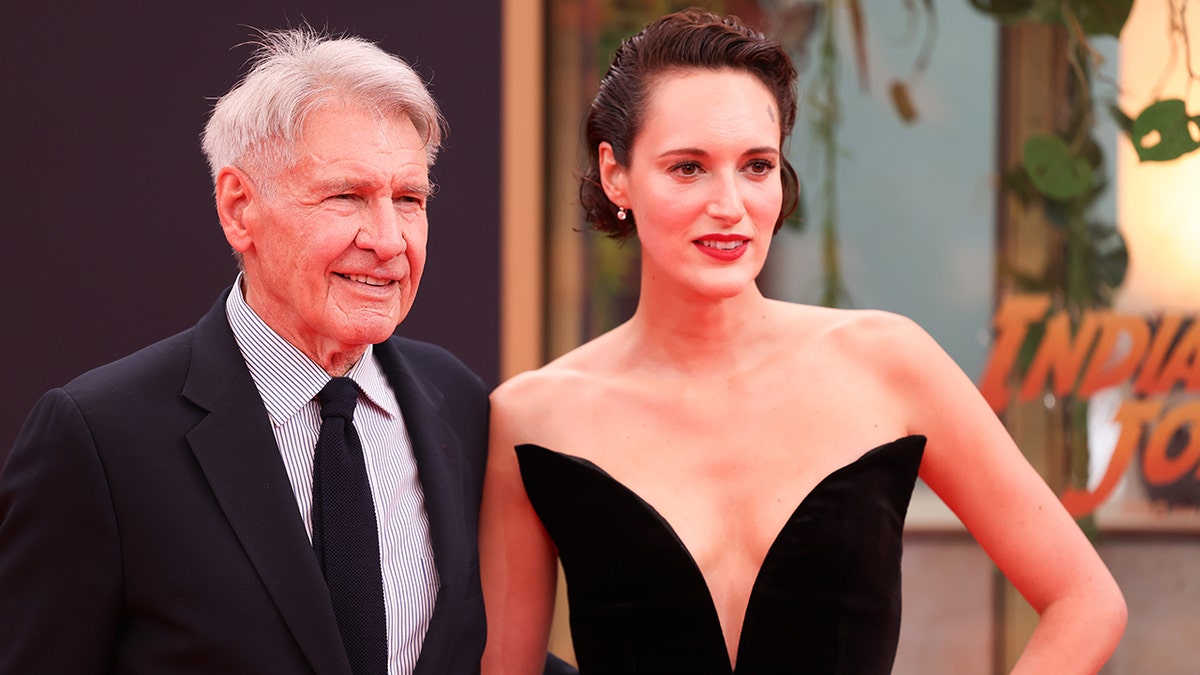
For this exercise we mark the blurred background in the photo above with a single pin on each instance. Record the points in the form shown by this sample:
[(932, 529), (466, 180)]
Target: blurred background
[(953, 154)]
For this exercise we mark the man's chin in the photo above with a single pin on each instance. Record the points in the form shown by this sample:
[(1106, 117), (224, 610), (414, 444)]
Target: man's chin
[(369, 332)]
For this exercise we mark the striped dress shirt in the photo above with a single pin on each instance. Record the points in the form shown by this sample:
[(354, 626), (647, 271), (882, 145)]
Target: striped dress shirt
[(288, 382)]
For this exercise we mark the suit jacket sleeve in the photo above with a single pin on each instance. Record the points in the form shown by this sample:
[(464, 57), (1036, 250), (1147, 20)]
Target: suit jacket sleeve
[(60, 554)]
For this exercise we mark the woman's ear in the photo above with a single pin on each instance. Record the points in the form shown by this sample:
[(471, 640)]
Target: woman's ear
[(236, 199), (613, 177)]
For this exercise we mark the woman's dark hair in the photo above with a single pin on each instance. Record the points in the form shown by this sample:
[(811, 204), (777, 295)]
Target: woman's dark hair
[(689, 39)]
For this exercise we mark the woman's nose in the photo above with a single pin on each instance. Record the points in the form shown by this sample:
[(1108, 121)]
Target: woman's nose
[(726, 203)]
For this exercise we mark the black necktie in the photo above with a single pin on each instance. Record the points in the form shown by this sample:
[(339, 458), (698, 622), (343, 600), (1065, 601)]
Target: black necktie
[(345, 537)]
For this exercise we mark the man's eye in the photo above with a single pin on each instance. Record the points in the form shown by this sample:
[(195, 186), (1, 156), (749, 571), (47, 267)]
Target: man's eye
[(409, 203)]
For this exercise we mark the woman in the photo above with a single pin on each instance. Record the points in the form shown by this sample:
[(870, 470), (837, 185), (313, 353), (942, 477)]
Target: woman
[(724, 476)]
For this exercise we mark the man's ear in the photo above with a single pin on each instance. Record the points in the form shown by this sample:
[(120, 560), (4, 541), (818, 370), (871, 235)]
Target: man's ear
[(613, 177), (236, 197)]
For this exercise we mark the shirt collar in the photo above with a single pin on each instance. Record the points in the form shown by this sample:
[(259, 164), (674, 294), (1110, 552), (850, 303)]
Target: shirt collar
[(285, 377)]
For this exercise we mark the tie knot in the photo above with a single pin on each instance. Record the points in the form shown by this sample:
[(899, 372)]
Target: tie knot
[(338, 398)]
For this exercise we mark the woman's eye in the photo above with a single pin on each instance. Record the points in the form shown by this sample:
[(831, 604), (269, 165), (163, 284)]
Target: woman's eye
[(761, 166), (686, 169)]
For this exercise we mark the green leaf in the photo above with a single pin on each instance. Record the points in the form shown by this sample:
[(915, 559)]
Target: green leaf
[(1102, 17), (1163, 131), (1109, 260), (1053, 169)]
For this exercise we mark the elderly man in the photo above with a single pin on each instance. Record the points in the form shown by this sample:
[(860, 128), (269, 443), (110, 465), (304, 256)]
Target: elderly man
[(285, 487)]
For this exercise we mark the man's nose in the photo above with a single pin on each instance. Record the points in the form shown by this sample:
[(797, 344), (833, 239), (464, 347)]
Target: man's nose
[(383, 230)]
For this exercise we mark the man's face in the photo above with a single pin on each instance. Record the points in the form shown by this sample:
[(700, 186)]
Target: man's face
[(334, 246)]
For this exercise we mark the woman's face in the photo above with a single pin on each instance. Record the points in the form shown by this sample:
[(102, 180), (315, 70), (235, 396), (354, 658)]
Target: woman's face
[(703, 180)]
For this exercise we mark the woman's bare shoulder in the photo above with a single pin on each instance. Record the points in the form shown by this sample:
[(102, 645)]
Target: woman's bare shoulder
[(892, 343), (861, 330), (570, 385), (873, 348), (534, 386)]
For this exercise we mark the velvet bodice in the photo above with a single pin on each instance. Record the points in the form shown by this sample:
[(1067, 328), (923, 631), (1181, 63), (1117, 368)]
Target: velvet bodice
[(826, 599)]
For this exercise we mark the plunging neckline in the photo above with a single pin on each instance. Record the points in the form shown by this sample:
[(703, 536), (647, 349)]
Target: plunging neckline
[(759, 584)]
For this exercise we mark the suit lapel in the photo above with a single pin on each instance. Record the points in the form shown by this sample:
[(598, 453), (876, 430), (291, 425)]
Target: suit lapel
[(237, 451), (439, 465)]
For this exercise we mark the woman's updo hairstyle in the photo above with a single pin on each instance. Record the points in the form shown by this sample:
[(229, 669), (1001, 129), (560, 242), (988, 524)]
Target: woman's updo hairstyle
[(685, 40)]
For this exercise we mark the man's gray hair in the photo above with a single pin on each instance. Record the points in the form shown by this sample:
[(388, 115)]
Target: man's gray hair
[(258, 123)]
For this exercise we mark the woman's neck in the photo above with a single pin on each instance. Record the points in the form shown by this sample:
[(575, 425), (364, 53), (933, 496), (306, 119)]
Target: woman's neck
[(698, 334)]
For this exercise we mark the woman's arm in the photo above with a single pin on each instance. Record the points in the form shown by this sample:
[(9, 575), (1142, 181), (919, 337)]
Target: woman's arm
[(973, 464), (518, 561)]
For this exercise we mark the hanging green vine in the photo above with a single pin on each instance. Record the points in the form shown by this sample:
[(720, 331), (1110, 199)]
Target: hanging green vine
[(1062, 170)]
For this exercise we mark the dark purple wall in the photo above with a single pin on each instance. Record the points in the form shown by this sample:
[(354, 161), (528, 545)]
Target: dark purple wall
[(110, 241)]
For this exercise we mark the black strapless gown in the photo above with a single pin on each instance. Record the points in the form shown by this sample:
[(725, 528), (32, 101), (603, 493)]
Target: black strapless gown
[(826, 600)]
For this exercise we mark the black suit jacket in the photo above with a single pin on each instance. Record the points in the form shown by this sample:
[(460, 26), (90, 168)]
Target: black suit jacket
[(147, 524)]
